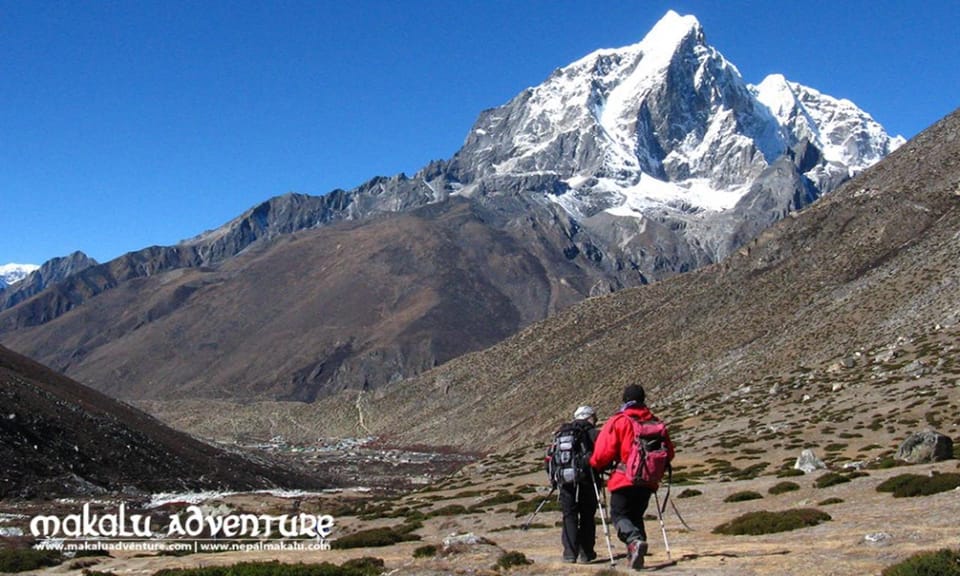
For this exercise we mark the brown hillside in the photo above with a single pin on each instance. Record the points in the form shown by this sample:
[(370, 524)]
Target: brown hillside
[(872, 268), (353, 304)]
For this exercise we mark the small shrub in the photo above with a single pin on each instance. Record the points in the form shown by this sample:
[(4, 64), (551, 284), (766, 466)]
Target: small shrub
[(428, 551), (830, 479), (448, 510), (743, 496), (689, 493), (528, 506), (885, 463), (469, 494), (376, 537), (782, 487), (364, 565), (21, 560), (907, 485), (504, 498), (941, 563), (789, 473), (508, 560), (763, 522), (830, 501), (750, 472)]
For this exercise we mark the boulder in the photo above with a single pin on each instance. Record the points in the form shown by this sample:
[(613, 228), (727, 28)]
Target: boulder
[(808, 462), (926, 446)]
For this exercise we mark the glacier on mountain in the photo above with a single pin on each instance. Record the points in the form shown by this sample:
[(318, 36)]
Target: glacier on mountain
[(667, 122)]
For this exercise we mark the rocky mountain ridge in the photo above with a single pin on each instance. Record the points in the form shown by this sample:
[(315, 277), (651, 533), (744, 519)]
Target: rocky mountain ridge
[(350, 305), (38, 278), (554, 171), (872, 263), (11, 273)]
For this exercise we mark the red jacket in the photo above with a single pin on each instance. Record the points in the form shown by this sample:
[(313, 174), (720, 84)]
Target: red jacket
[(614, 443)]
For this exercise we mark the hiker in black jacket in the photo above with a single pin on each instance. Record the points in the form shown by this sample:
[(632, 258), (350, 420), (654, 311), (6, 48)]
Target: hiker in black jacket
[(579, 500)]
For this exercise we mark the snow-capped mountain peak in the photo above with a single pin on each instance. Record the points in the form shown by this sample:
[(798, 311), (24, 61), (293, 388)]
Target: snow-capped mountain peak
[(844, 133), (665, 121), (10, 273)]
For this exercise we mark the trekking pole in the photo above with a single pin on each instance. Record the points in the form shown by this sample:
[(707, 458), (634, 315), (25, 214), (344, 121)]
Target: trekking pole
[(606, 529), (663, 529), (677, 512), (526, 524)]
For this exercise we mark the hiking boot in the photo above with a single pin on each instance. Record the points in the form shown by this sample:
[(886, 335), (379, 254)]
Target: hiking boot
[(586, 558), (569, 559), (636, 550)]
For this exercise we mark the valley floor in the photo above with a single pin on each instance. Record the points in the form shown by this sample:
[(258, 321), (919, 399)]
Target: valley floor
[(490, 499)]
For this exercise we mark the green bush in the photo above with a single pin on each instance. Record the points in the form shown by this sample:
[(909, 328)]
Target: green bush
[(689, 493), (830, 479), (830, 501), (886, 463), (743, 496), (376, 537), (448, 510), (763, 522), (508, 560), (503, 498), (528, 506), (359, 567), (750, 472), (364, 565), (21, 560), (907, 485), (428, 551), (782, 487), (941, 563), (789, 473)]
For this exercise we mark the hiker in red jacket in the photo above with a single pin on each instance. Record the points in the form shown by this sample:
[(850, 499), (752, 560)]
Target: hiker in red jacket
[(628, 502)]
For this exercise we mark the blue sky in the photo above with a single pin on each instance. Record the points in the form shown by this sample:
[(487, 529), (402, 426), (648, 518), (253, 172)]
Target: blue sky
[(125, 124)]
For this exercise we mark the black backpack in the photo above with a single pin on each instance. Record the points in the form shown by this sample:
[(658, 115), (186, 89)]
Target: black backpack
[(568, 458)]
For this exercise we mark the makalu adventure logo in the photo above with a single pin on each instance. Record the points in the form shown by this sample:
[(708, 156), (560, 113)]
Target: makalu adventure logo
[(193, 529)]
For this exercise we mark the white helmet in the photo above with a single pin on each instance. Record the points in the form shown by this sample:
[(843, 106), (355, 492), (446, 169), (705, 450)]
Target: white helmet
[(584, 413)]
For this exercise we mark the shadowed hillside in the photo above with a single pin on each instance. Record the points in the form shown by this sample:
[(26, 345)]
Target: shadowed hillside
[(58, 438)]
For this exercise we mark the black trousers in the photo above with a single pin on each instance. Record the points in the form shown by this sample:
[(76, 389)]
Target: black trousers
[(627, 507), (579, 505)]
